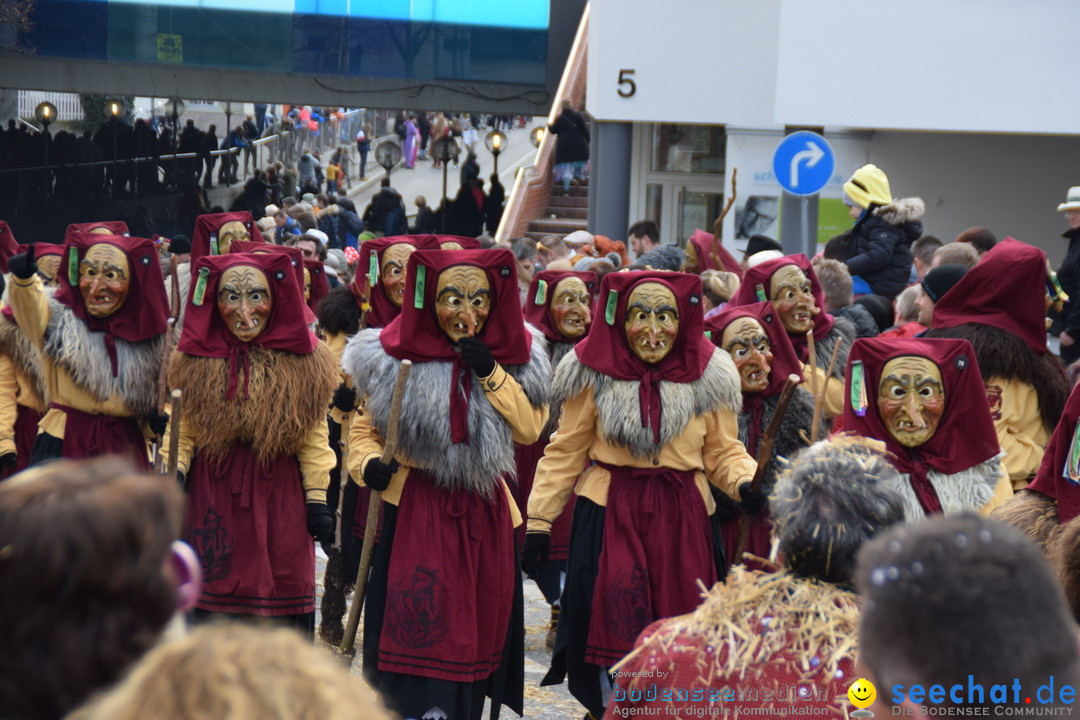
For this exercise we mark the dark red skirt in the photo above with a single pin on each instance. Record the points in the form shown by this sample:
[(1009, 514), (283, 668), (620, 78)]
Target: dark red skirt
[(26, 428), (90, 435), (248, 525), (450, 584), (359, 526), (657, 545), (759, 539)]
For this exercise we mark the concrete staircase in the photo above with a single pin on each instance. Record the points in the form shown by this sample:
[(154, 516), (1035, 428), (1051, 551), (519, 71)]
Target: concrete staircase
[(563, 214)]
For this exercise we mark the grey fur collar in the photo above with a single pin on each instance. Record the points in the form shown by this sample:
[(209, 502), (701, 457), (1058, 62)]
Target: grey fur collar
[(902, 210), (618, 406), (81, 353), (17, 345), (424, 430), (788, 442), (843, 332), (965, 491), (558, 351)]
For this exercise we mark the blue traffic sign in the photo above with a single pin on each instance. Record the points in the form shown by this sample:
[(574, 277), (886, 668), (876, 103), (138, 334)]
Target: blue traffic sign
[(803, 163)]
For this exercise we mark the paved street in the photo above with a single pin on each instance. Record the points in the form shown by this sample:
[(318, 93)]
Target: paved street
[(426, 180)]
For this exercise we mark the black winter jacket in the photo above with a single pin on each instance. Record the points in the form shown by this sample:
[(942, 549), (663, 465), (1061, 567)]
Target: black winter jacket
[(880, 248)]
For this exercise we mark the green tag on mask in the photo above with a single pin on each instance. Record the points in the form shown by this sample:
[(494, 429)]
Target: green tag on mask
[(708, 335), (418, 294), (609, 311), (541, 292), (73, 267), (200, 286), (859, 400), (760, 289), (373, 269), (214, 245)]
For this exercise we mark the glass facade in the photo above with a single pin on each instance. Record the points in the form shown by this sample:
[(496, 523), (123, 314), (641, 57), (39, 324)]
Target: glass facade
[(419, 41)]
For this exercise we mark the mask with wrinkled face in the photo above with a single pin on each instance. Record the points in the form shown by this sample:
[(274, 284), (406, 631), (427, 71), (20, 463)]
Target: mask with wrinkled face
[(911, 399), (748, 345), (229, 233), (104, 279), (48, 266), (462, 301), (652, 321), (392, 271), (244, 301), (793, 299), (570, 307), (307, 284)]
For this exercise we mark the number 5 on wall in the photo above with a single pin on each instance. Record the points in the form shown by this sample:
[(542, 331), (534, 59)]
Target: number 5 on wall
[(627, 85)]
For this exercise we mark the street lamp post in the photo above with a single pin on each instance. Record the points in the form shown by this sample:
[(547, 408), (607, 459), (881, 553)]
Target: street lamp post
[(388, 154), (117, 111), (496, 143), (227, 158), (176, 108), (537, 136), (444, 150), (45, 112)]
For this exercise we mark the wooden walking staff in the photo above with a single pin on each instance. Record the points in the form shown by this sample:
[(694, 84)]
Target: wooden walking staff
[(819, 399), (348, 643), (720, 222), (176, 410), (166, 353), (764, 455)]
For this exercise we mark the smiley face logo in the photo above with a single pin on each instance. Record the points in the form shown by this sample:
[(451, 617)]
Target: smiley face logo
[(862, 693)]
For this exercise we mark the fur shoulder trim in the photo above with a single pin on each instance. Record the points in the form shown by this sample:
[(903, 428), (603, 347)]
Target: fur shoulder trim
[(16, 345), (82, 354), (902, 210), (287, 397), (843, 332), (965, 491), (339, 313), (789, 442), (424, 439), (618, 402)]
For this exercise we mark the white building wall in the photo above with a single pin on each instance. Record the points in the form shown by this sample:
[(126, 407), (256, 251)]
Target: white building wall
[(904, 76)]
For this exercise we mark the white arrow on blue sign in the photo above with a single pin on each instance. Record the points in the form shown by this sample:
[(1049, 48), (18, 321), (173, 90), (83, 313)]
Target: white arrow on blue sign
[(803, 163)]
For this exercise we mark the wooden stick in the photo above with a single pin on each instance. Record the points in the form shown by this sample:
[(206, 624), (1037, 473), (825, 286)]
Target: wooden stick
[(348, 643), (175, 415), (764, 455), (720, 221), (819, 400)]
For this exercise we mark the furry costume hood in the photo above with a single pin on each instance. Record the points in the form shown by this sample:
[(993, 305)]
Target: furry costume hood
[(83, 355), (424, 432), (288, 395), (618, 402), (903, 210), (843, 332)]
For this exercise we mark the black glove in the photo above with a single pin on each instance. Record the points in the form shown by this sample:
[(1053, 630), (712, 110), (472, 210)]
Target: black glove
[(345, 398), (477, 356), (7, 461), (752, 501), (377, 474), (320, 522), (536, 549), (23, 265), (158, 423)]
